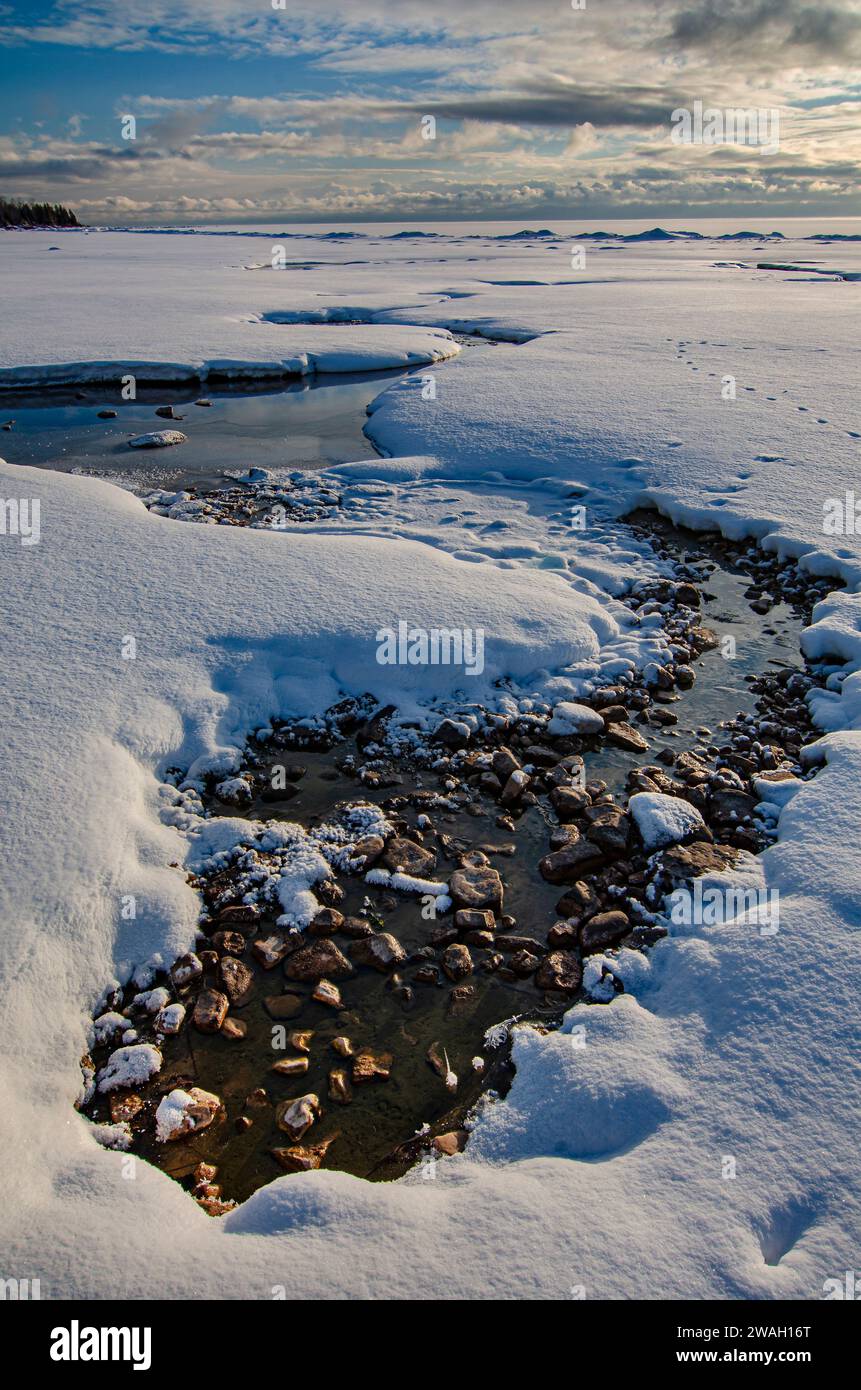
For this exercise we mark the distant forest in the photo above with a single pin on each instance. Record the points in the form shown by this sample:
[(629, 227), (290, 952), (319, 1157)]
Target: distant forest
[(16, 214)]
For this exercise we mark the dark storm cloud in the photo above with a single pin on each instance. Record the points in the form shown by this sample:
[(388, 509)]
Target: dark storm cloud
[(827, 30)]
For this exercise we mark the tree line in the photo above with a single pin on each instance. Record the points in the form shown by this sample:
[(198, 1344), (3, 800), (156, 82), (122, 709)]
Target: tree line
[(14, 213)]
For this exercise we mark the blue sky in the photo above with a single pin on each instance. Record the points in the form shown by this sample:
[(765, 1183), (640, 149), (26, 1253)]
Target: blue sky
[(315, 111)]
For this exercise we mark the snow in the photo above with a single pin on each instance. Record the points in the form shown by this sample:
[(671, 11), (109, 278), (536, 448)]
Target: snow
[(130, 1066), (602, 1166), (570, 718), (664, 820)]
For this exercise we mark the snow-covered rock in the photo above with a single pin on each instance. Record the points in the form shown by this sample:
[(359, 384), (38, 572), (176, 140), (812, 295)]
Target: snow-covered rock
[(130, 1066), (664, 820), (571, 718)]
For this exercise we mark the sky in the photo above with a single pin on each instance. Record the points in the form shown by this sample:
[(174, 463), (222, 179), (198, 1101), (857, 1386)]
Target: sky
[(385, 110)]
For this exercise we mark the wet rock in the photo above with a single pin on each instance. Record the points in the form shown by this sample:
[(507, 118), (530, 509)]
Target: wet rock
[(229, 943), (369, 848), (242, 1123), (519, 943), (313, 962), (271, 950), (603, 930), (186, 969), (234, 1029), (688, 595), (283, 1006), (124, 1106), (524, 963), (484, 940), (326, 922), (105, 415), (461, 1000), (382, 951), (157, 439), (683, 863), (566, 865), (340, 1089), (185, 1112), (472, 919), (239, 914), (565, 934), (504, 764), (702, 639), (453, 1142), (167, 412), (295, 1117), (210, 1010), (561, 971), (685, 677), (329, 994), (727, 804), (514, 788), (451, 733), (610, 831), (302, 1158), (290, 1066), (343, 1046), (477, 887), (237, 981), (371, 1066), (624, 736), (356, 927), (443, 936), (300, 1040), (410, 858), (427, 975), (457, 961), (569, 802)]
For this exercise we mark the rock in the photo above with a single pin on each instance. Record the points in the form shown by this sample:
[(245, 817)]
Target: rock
[(473, 919), (326, 922), (369, 848), (300, 1040), (504, 764), (271, 950), (239, 914), (371, 1066), (569, 802), (602, 930), (327, 993), (561, 970), (157, 439), (442, 936), (566, 865), (234, 1029), (186, 969), (406, 855), (124, 1106), (321, 958), (237, 980), (283, 1006), (434, 1056), (302, 1158), (290, 1066), (610, 831), (185, 1112), (427, 975), (210, 1010), (515, 787), (624, 736), (684, 863), (524, 963), (665, 820), (340, 1089), (685, 677), (452, 733), (242, 1123), (356, 927), (565, 934), (477, 887), (382, 951), (519, 943), (453, 1142), (461, 1000), (295, 1117), (343, 1046), (229, 943), (457, 961), (570, 718), (702, 639), (728, 804), (107, 414), (170, 1019), (167, 412), (484, 940), (688, 595)]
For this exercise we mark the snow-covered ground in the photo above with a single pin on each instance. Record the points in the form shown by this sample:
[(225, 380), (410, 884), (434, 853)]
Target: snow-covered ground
[(603, 1169)]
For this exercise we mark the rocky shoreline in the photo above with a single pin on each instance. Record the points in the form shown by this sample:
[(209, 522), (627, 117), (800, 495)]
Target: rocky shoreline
[(416, 817)]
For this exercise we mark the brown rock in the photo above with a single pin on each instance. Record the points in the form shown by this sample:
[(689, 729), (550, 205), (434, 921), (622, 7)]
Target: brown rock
[(603, 930), (229, 943), (290, 1066), (327, 993), (281, 1006), (237, 981), (234, 1029), (300, 1040), (356, 927), (477, 887), (401, 853), (186, 969), (457, 961), (327, 921), (210, 1010), (566, 865), (561, 970), (381, 950), (581, 900), (686, 862), (240, 914), (124, 1106), (504, 763), (524, 963), (569, 802), (343, 1046), (340, 1089), (270, 950), (454, 1142), (369, 848), (302, 1158), (563, 934), (625, 736), (470, 919), (371, 1066), (321, 958), (296, 1117)]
